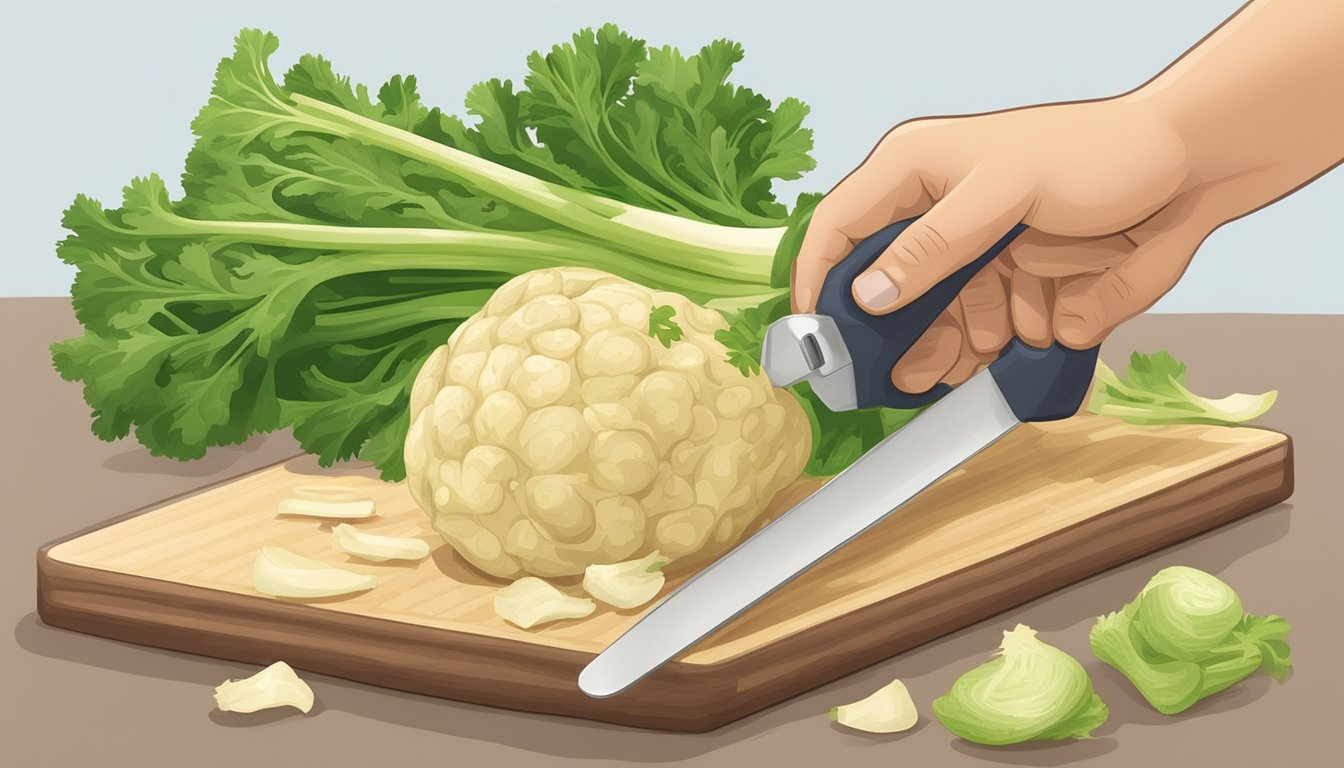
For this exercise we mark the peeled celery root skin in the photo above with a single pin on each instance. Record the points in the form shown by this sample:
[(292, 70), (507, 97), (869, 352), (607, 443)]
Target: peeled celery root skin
[(275, 686), (629, 584), (887, 710), (351, 509), (376, 548), (529, 602), (280, 573)]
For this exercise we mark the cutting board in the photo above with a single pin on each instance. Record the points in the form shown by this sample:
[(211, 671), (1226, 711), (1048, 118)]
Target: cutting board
[(1046, 506)]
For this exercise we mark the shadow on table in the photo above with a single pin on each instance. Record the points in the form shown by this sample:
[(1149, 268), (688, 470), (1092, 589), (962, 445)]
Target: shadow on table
[(1038, 753), (924, 668), (1128, 707), (138, 461), (542, 734), (263, 718)]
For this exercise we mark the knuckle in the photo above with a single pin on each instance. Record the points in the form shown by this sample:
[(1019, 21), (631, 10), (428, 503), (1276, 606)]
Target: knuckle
[(1119, 289), (909, 130), (807, 258), (894, 138), (909, 256), (984, 300), (920, 246), (1087, 310), (824, 214)]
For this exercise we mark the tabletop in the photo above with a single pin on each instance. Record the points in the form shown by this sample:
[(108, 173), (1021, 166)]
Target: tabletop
[(73, 699)]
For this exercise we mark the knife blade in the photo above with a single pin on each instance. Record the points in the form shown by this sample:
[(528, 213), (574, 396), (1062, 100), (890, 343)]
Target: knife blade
[(847, 355), (955, 428)]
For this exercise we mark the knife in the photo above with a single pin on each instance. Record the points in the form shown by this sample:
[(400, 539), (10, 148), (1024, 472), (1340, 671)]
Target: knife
[(846, 355)]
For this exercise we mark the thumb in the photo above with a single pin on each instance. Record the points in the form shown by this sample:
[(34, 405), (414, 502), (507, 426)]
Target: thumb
[(956, 230), (1089, 307)]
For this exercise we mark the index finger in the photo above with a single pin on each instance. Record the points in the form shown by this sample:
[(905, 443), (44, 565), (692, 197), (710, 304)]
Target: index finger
[(884, 188)]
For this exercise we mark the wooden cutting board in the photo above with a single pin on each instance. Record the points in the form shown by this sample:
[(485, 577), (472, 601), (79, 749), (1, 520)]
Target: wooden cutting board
[(1046, 506)]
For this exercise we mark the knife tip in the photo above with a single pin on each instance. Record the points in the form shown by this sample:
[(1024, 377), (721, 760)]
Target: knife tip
[(597, 685)]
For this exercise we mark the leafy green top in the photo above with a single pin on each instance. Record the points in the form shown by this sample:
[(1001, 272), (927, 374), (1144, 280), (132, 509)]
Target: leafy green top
[(331, 236), (649, 126)]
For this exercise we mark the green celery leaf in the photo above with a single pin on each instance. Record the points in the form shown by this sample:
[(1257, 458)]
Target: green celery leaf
[(341, 413), (781, 271), (1156, 373), (293, 166), (1154, 392), (384, 447), (745, 334), (314, 76), (501, 135), (646, 126), (400, 103), (197, 335), (662, 327)]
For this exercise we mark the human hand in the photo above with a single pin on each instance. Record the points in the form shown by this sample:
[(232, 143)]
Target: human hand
[(1105, 188)]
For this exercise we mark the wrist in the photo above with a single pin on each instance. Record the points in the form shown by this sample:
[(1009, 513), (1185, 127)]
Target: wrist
[(1160, 104), (1257, 103)]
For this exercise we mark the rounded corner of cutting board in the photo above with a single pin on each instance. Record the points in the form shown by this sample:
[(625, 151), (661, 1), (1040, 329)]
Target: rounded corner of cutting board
[(53, 552)]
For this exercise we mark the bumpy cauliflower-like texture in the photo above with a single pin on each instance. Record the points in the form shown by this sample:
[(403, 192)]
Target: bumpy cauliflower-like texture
[(552, 432)]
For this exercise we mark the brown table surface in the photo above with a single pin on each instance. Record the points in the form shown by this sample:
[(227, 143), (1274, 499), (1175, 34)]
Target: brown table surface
[(71, 699)]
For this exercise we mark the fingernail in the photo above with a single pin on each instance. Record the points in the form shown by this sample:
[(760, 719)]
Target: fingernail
[(876, 290)]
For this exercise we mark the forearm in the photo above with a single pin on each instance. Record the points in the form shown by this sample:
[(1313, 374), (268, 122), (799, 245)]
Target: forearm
[(1259, 104)]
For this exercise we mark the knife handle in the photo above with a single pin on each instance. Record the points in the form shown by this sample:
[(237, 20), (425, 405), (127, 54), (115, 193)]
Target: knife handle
[(1038, 384)]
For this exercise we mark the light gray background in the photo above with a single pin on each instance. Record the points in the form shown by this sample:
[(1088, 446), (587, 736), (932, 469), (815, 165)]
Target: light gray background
[(95, 93)]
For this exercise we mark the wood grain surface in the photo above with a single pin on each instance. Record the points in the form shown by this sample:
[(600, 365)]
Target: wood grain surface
[(1046, 506)]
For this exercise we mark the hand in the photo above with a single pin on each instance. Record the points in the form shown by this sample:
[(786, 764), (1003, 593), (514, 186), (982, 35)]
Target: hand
[(1102, 186), (1118, 193)]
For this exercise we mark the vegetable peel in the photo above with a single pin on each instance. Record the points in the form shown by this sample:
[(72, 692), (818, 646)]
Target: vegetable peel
[(325, 492), (626, 585), (352, 509), (530, 601), (275, 686), (376, 548), (889, 709), (281, 573)]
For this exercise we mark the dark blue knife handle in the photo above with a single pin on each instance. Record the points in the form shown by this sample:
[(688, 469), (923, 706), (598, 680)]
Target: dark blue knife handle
[(1038, 384)]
